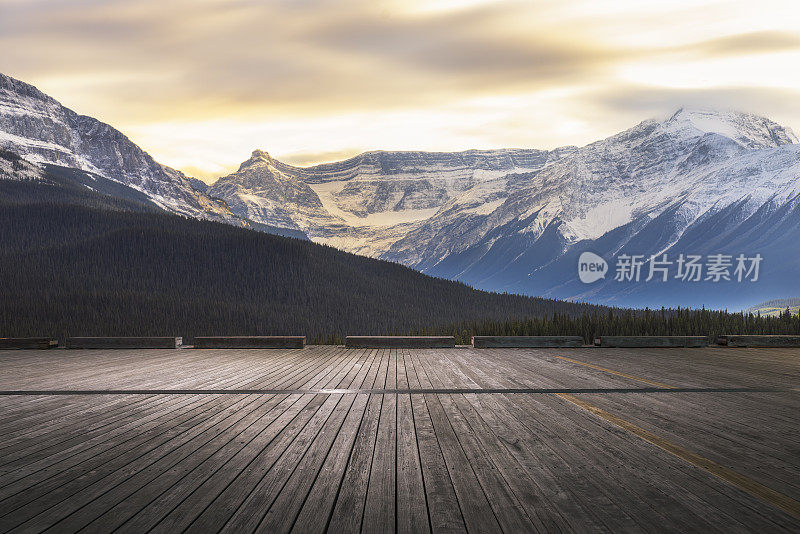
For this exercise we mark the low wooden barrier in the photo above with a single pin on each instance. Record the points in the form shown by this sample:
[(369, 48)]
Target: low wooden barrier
[(27, 343), (759, 341), (124, 342), (250, 342), (485, 342), (653, 341), (399, 342)]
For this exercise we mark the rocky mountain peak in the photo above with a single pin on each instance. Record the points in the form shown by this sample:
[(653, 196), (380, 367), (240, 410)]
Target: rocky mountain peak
[(41, 130), (256, 158), (747, 130), (12, 86)]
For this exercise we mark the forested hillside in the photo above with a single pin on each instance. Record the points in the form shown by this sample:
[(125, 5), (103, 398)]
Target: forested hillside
[(75, 262), (106, 261), (664, 322)]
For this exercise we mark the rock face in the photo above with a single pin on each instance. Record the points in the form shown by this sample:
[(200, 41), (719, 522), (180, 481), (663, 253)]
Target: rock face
[(367, 203), (41, 130), (698, 182), (270, 192)]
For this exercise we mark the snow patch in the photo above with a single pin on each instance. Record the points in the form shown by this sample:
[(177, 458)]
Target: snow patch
[(601, 219)]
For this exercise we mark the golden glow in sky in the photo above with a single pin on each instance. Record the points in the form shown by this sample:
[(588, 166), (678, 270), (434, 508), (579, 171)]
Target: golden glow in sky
[(201, 83)]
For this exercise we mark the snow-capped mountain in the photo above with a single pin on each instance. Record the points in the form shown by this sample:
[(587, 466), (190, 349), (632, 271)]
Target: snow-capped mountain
[(40, 129), (697, 160), (699, 182), (367, 203), (270, 192), (516, 220)]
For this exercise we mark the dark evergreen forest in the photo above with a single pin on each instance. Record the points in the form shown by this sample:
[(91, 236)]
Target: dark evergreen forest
[(664, 322), (77, 262)]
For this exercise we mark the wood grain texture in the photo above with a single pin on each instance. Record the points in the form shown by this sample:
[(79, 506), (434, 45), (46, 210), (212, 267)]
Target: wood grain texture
[(653, 341), (484, 342), (40, 343), (397, 342), (761, 341), (250, 342), (123, 342), (401, 440)]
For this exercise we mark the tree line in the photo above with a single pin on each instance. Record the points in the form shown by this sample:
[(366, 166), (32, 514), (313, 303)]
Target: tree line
[(616, 322)]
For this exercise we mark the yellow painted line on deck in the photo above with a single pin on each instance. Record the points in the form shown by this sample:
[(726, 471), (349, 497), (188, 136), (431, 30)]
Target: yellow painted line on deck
[(632, 377), (744, 483)]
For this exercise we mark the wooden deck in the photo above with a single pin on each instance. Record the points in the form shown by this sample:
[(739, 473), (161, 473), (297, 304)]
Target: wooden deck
[(409, 440)]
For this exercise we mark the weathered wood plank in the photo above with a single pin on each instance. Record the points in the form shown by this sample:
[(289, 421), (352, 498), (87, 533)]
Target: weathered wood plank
[(525, 488), (444, 509), (219, 467), (317, 509), (349, 508), (759, 341), (61, 511), (207, 495), (287, 504), (166, 489), (485, 342), (688, 488), (477, 512), (397, 342), (213, 494), (123, 342), (250, 342), (653, 341), (379, 512), (64, 472), (412, 510), (40, 343), (248, 516), (412, 461), (118, 447)]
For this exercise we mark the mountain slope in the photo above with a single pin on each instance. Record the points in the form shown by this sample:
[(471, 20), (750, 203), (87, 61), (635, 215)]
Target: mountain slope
[(658, 188), (368, 202), (267, 191), (41, 130), (516, 220), (608, 184), (78, 262)]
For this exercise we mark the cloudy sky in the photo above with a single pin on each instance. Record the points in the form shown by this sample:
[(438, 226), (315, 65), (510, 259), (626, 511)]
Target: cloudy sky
[(201, 83)]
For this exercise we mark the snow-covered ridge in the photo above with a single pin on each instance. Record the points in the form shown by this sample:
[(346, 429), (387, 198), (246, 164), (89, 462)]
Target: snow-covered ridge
[(37, 127), (378, 194), (458, 213), (420, 207), (748, 130)]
